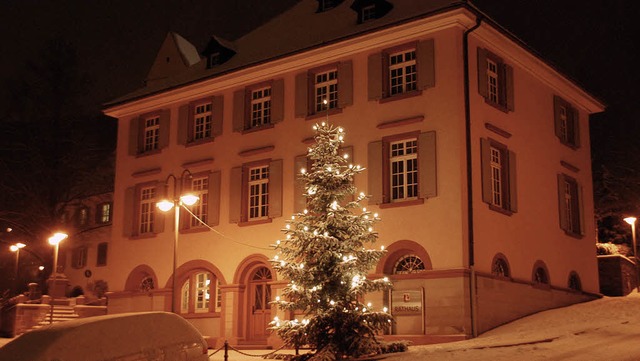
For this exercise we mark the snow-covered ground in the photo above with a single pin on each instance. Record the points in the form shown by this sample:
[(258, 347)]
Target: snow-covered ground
[(604, 329)]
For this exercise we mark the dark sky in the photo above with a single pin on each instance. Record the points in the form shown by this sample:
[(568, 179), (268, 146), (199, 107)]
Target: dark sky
[(593, 41)]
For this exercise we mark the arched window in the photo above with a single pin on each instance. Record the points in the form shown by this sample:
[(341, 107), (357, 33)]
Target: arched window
[(200, 293), (540, 274), (146, 284), (500, 267), (574, 281), (409, 264)]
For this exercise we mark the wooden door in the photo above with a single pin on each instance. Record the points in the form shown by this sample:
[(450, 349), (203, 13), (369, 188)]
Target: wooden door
[(260, 296)]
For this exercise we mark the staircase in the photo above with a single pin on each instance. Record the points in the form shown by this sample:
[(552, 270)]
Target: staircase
[(61, 310)]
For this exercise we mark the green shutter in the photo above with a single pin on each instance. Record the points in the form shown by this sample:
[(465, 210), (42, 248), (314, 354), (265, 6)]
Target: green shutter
[(564, 222), (513, 186), (134, 136), (277, 101), (485, 159), (129, 210), (374, 169), (302, 95), (345, 84), (299, 197), (427, 183), (557, 105), (158, 215), (165, 128), (575, 116), (510, 96), (213, 208), (235, 195), (374, 72), (183, 124), (238, 110), (425, 58), (275, 188), (217, 115), (482, 73)]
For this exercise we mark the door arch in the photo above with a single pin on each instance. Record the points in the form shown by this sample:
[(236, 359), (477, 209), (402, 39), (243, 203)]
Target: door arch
[(258, 302)]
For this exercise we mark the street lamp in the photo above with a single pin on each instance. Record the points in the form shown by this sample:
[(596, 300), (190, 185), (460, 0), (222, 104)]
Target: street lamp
[(16, 248), (166, 205), (632, 222), (55, 241)]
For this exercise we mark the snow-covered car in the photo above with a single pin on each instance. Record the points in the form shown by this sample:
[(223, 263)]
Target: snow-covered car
[(148, 336)]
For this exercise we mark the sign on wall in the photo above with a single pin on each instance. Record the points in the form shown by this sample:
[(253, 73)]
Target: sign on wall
[(406, 302)]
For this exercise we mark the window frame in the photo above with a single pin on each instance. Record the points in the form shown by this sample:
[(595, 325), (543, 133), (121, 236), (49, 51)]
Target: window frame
[(101, 217), (570, 206), (566, 122), (202, 207), (82, 216), (79, 257), (102, 254), (189, 295), (239, 209), (506, 187), (306, 100), (409, 164), (501, 78)]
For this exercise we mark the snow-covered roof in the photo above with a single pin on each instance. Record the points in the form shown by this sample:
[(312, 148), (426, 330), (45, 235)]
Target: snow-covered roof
[(187, 50), (299, 28)]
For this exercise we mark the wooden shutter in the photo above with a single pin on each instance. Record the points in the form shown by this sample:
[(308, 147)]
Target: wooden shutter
[(302, 95), (239, 110), (129, 213), (509, 89), (425, 54), (557, 105), (513, 186), (213, 208), (564, 222), (374, 72), (299, 197), (580, 209), (485, 158), (158, 215), (235, 195), (217, 115), (374, 168), (345, 84), (482, 73), (183, 124), (275, 188), (134, 136), (575, 117), (277, 101), (427, 165), (165, 128)]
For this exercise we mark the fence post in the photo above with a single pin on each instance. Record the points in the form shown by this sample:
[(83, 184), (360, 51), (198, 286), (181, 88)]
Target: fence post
[(226, 350)]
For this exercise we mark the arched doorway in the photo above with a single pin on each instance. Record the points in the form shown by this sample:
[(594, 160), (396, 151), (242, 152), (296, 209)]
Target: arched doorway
[(259, 298)]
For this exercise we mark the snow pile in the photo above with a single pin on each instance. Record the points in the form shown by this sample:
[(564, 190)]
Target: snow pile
[(604, 329)]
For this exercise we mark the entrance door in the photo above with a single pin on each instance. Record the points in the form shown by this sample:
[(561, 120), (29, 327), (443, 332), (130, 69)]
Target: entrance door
[(260, 293)]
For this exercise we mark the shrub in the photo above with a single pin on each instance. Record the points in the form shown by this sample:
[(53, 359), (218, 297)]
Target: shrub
[(396, 346), (606, 249)]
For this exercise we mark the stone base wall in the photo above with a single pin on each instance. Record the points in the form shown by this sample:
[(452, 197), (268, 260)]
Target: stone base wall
[(618, 275)]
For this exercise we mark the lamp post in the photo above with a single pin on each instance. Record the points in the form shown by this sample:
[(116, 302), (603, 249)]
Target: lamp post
[(632, 221), (16, 248), (55, 241), (166, 205)]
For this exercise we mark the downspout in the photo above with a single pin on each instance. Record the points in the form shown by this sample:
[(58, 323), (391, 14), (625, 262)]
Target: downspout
[(467, 123)]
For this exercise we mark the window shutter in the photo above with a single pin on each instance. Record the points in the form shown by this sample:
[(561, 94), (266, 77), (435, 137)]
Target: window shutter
[(374, 69), (183, 124), (345, 84), (277, 101), (513, 186), (302, 95), (217, 115), (564, 222), (374, 167), (425, 54), (158, 215), (485, 154), (129, 208), (238, 110), (275, 188), (165, 128), (482, 73), (235, 195), (427, 165), (213, 208), (299, 197), (134, 136), (557, 104), (581, 208), (575, 116), (510, 103)]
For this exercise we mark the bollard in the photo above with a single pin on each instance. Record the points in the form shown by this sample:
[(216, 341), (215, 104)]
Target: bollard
[(226, 350)]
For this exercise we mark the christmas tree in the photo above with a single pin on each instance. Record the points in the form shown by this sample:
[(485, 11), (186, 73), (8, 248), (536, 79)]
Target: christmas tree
[(326, 256)]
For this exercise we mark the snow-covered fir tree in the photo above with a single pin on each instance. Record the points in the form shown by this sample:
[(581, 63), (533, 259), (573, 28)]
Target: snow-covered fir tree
[(326, 255)]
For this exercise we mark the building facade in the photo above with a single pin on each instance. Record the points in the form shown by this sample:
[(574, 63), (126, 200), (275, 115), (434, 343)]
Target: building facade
[(476, 152)]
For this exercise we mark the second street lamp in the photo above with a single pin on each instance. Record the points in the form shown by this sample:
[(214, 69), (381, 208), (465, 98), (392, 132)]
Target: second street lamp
[(166, 205), (632, 221), (16, 248)]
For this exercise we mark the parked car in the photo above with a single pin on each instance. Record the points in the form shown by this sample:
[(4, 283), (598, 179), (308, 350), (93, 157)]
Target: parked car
[(140, 336)]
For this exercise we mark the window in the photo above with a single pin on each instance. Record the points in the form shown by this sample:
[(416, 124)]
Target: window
[(256, 192), (146, 284), (149, 133), (566, 122), (500, 267), (200, 188), (202, 121), (409, 264), (79, 257), (570, 205), (403, 160), (102, 254), (324, 5), (104, 213), (333, 83), (199, 293), (400, 71), (402, 168), (540, 274), (371, 9), (498, 176), (82, 217), (147, 208), (368, 13), (574, 282), (495, 80), (259, 106)]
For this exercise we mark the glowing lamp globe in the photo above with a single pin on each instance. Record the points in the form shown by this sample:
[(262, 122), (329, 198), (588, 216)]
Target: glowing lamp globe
[(164, 205)]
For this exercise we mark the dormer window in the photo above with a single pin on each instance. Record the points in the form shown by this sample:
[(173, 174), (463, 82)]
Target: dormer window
[(324, 5), (218, 51), (371, 9), (214, 59)]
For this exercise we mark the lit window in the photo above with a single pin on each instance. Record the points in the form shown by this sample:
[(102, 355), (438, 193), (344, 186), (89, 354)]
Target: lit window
[(197, 293), (203, 294), (402, 72), (151, 133), (83, 216), (200, 188), (202, 121), (147, 209), (404, 169), (104, 213), (260, 107), (326, 88), (258, 193)]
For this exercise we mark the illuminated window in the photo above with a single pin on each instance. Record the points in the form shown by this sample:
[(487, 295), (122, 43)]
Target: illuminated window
[(200, 188), (200, 293), (104, 212)]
